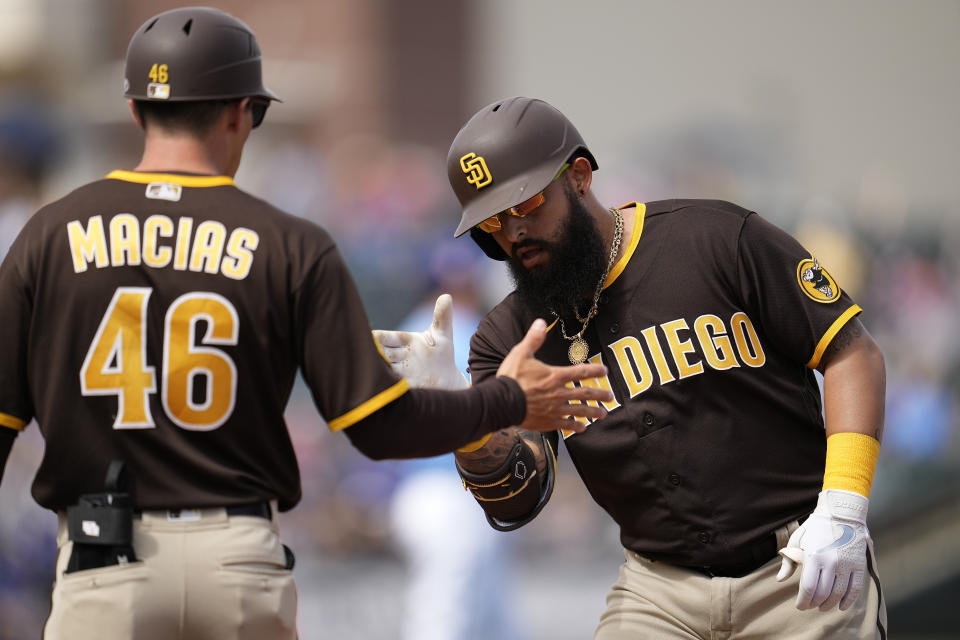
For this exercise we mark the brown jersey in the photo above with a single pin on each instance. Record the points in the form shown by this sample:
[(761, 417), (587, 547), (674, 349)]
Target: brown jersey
[(160, 319), (710, 325)]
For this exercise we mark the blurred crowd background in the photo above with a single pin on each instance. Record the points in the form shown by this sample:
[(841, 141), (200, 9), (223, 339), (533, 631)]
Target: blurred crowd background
[(839, 122)]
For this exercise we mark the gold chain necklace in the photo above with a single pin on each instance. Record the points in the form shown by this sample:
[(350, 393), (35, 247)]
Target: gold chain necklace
[(579, 349)]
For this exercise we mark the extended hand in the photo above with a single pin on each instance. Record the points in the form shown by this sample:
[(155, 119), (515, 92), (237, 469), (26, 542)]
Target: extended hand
[(832, 547), (426, 359), (548, 397)]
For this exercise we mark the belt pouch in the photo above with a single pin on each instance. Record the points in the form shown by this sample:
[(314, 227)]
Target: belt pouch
[(101, 528)]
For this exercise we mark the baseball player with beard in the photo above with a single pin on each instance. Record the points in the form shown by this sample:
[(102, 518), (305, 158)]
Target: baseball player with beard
[(742, 509), (153, 323)]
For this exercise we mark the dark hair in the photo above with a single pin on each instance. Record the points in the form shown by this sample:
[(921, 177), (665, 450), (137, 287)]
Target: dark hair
[(195, 117)]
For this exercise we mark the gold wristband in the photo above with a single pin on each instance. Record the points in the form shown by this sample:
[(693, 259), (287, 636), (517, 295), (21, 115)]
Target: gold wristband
[(851, 461), (476, 444)]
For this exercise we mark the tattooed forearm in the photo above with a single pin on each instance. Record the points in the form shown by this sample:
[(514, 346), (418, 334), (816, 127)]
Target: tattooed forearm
[(491, 455), (844, 338)]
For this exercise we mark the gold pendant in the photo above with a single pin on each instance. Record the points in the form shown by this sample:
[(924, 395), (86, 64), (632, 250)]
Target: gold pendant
[(578, 351)]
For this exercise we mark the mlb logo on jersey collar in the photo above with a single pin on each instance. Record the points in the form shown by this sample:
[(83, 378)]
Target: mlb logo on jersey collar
[(164, 191)]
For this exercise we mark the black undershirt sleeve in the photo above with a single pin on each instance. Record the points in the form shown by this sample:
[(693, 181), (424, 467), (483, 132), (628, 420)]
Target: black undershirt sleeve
[(429, 422), (7, 436)]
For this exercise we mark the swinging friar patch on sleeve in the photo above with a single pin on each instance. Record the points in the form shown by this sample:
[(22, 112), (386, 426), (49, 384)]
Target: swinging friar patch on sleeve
[(816, 282)]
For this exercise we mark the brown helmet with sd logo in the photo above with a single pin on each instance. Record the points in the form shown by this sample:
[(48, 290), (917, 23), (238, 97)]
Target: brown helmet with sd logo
[(507, 152), (194, 53)]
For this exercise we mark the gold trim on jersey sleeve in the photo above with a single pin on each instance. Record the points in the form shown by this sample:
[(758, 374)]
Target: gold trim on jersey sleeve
[(375, 403), (13, 422), (828, 336), (634, 240), (183, 181), (476, 444)]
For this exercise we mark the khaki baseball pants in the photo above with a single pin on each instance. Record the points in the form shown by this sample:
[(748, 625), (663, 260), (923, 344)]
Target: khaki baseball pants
[(201, 576), (657, 600)]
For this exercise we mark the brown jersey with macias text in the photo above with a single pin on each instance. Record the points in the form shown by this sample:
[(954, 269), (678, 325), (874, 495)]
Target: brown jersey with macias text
[(710, 324), (160, 319)]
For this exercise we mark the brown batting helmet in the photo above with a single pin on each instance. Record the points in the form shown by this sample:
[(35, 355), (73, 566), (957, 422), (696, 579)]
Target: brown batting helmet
[(507, 152), (194, 53)]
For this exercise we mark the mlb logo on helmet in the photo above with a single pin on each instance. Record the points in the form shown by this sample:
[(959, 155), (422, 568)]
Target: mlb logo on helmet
[(157, 91)]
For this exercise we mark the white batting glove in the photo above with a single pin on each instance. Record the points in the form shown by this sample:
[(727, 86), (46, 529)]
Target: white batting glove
[(426, 359), (832, 547)]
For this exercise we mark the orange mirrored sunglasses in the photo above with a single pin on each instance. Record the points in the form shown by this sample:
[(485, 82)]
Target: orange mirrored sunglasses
[(521, 210)]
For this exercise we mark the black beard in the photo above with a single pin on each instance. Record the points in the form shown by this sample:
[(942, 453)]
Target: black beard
[(569, 279)]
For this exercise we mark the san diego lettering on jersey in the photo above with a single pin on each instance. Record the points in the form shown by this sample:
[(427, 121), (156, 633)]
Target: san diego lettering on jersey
[(185, 245), (720, 348)]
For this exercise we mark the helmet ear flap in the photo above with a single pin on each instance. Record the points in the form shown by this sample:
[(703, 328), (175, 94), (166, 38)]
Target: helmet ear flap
[(489, 246)]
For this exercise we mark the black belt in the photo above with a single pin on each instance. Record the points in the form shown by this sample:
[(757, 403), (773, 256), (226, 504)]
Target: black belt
[(761, 552), (758, 554), (261, 509), (257, 509)]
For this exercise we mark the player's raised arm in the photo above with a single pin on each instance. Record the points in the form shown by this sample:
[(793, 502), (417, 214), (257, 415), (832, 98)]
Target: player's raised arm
[(426, 360), (526, 392)]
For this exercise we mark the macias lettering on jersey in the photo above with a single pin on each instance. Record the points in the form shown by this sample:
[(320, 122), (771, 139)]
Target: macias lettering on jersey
[(212, 250), (710, 343)]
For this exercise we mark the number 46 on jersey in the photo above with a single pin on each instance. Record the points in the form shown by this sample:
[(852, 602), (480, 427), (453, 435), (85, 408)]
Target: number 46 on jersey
[(116, 361)]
